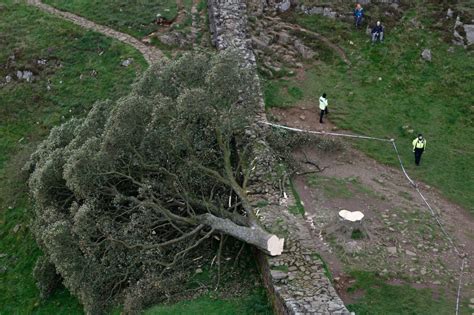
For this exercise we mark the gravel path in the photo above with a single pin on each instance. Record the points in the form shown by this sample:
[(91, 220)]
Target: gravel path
[(150, 53)]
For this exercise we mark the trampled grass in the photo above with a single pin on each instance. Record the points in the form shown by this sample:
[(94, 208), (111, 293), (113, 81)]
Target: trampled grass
[(131, 17), (389, 91), (81, 67)]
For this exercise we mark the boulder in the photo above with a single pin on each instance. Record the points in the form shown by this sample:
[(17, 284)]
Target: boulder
[(469, 29), (284, 5), (426, 54), (283, 38), (303, 50)]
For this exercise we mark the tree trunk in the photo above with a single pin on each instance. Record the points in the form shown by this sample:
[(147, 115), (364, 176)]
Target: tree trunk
[(255, 235)]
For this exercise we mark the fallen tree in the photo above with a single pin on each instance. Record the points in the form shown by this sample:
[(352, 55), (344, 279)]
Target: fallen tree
[(135, 189)]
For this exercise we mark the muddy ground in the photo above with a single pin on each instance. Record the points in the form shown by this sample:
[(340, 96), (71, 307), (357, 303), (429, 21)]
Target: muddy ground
[(399, 238)]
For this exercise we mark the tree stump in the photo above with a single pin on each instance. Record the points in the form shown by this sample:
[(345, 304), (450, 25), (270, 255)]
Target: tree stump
[(352, 224), (348, 225)]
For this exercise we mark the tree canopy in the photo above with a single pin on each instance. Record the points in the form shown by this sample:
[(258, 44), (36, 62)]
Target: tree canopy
[(130, 193)]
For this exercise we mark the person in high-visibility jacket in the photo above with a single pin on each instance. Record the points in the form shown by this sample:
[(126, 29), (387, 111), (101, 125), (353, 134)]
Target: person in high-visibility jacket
[(323, 106), (419, 146)]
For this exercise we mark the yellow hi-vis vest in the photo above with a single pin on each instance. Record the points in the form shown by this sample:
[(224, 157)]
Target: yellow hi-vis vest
[(419, 144)]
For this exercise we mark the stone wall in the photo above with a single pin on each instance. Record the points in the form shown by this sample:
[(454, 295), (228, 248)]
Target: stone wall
[(296, 280)]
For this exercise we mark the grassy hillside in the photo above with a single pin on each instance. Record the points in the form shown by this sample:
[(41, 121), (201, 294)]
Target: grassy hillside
[(81, 67), (132, 17), (389, 91)]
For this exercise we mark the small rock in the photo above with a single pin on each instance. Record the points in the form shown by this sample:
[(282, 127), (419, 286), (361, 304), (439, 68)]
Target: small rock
[(283, 38), (423, 271), (449, 14), (392, 250), (16, 228), (410, 253), (437, 282), (471, 301), (284, 5), (8, 79), (127, 62), (426, 54), (302, 117), (278, 275), (41, 62), (199, 270), (303, 50), (451, 49), (469, 29)]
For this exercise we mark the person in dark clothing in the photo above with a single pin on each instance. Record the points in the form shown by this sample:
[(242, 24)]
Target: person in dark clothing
[(419, 146), (377, 32), (358, 15)]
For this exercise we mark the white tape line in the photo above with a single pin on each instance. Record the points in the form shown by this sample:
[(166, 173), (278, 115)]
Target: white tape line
[(324, 133), (433, 214)]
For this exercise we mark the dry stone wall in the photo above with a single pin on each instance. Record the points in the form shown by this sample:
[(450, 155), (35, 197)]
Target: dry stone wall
[(296, 279)]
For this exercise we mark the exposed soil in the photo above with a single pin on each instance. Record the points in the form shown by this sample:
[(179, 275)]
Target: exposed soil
[(402, 241)]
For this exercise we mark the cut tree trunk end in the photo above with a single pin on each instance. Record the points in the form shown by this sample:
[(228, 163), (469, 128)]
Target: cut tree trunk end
[(348, 225), (268, 243)]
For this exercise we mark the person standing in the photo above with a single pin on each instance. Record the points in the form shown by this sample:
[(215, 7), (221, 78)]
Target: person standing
[(323, 106), (358, 15), (419, 146), (377, 32)]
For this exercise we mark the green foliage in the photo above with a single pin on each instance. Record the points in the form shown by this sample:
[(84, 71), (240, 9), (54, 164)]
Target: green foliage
[(108, 187), (382, 298), (202, 5), (133, 17), (28, 111)]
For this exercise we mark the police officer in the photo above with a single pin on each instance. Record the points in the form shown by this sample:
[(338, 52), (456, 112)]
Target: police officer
[(323, 106), (419, 145)]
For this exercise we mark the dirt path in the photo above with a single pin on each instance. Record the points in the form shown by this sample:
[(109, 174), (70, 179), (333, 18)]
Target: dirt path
[(194, 24), (150, 53), (404, 240)]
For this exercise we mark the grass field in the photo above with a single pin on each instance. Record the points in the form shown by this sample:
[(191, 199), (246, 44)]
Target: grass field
[(81, 68), (389, 91), (254, 303), (382, 298), (131, 17)]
